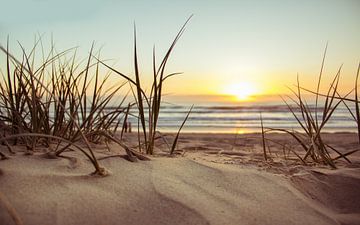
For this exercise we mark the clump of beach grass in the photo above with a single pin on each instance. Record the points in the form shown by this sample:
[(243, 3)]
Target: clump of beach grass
[(49, 102), (149, 104), (312, 123), (62, 102)]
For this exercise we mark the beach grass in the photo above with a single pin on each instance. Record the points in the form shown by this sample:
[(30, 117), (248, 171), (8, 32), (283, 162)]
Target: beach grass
[(60, 100), (49, 102), (312, 120), (63, 101), (149, 103)]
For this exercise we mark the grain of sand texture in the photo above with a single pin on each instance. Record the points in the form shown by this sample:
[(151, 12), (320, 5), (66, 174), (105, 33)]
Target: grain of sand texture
[(215, 179)]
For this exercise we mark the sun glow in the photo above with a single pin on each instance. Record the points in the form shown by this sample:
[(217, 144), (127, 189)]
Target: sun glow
[(243, 91)]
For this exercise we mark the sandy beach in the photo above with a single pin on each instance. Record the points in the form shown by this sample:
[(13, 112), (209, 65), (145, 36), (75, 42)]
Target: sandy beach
[(213, 179)]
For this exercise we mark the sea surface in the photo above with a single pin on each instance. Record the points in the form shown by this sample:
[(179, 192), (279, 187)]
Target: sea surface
[(222, 118)]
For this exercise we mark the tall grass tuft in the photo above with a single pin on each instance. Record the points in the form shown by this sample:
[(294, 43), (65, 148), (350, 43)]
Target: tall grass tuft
[(60, 101), (149, 105), (50, 102), (312, 123)]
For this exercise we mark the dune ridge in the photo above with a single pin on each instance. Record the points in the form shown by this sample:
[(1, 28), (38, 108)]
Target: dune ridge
[(213, 181)]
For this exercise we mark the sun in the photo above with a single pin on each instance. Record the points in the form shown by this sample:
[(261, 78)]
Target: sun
[(243, 91)]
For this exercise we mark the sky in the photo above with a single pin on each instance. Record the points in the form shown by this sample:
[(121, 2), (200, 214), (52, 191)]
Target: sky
[(257, 46)]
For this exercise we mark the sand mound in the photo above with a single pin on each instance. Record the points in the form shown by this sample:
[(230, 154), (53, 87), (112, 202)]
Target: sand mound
[(222, 183), (161, 191), (337, 190)]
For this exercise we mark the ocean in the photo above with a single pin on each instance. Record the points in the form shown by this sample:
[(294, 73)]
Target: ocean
[(215, 118)]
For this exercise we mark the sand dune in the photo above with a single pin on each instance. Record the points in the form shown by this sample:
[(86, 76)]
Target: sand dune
[(182, 190), (338, 190)]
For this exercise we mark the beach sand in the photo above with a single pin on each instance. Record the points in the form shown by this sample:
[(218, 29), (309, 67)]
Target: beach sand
[(213, 179)]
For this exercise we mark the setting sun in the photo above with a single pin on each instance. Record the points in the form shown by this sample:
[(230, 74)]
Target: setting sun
[(241, 91)]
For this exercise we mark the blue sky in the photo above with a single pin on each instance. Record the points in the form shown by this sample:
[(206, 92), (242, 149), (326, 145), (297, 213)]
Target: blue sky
[(261, 42)]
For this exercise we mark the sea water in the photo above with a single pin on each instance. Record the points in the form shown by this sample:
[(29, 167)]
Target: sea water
[(216, 118)]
